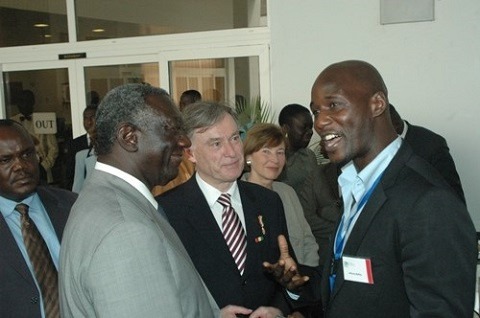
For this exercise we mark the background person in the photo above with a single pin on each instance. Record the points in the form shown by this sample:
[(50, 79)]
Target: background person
[(186, 168), (322, 205), (296, 122), (80, 143), (48, 208), (431, 147), (47, 147), (264, 151), (85, 161), (189, 97)]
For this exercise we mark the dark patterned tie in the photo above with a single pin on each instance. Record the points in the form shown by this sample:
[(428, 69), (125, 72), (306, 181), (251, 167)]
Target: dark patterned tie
[(42, 263), (233, 232)]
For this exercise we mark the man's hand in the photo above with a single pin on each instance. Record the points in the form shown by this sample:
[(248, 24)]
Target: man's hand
[(266, 312), (285, 270), (231, 311)]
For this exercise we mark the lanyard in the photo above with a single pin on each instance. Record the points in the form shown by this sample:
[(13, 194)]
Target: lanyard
[(340, 241)]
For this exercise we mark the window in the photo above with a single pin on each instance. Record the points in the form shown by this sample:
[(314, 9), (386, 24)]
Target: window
[(101, 19), (32, 22)]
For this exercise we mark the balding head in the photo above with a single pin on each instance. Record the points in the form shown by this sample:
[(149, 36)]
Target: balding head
[(358, 76)]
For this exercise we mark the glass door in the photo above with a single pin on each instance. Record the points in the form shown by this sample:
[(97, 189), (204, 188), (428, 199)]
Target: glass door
[(59, 91), (228, 74), (39, 99)]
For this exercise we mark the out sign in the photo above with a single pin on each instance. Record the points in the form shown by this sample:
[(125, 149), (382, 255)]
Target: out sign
[(44, 123)]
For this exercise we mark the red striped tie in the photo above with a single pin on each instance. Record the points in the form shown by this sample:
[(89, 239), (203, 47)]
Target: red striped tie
[(42, 263), (233, 232)]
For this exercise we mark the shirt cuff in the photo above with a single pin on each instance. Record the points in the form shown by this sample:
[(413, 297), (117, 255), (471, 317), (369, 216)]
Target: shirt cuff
[(292, 295)]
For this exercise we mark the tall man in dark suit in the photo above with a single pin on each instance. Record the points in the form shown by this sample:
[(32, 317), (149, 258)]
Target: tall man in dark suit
[(195, 212), (405, 246), (431, 147), (20, 294)]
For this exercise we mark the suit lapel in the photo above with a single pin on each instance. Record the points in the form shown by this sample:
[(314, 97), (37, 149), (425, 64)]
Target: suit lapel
[(360, 229), (56, 210), (205, 224), (57, 215), (372, 207)]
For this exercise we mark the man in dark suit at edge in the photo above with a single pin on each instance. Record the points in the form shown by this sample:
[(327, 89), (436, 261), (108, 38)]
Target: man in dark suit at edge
[(431, 147), (406, 245)]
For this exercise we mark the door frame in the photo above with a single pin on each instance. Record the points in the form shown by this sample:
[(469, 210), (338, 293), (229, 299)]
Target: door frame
[(76, 73)]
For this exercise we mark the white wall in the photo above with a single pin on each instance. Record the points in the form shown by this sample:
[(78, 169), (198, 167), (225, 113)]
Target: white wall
[(432, 69)]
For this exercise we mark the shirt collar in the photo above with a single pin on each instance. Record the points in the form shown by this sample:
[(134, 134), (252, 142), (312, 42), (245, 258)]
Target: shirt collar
[(7, 206), (351, 181), (212, 194), (134, 182), (405, 129)]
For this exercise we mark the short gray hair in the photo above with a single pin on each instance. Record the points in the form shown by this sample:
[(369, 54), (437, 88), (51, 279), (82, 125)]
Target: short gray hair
[(124, 104), (206, 114)]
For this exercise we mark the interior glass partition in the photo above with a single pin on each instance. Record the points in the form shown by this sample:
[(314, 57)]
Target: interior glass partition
[(106, 19), (217, 79), (103, 78), (47, 93), (32, 22)]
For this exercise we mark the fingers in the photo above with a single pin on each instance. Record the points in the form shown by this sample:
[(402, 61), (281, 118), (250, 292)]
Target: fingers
[(296, 282), (276, 270), (289, 262), (283, 247)]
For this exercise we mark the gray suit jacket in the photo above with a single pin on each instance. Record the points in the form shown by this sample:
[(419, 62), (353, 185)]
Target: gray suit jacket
[(120, 258), (19, 296), (322, 205)]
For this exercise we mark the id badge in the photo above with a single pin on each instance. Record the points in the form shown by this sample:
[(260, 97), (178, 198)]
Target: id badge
[(357, 269)]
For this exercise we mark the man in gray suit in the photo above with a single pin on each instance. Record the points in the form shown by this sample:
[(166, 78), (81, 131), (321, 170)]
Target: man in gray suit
[(120, 257)]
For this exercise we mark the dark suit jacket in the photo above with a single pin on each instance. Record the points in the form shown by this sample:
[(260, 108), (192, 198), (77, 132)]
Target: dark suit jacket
[(422, 246), (322, 205), (77, 144), (19, 296), (433, 148), (191, 217)]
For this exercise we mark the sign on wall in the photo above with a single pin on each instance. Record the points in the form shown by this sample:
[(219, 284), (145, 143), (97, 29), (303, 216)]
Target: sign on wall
[(44, 123), (401, 11)]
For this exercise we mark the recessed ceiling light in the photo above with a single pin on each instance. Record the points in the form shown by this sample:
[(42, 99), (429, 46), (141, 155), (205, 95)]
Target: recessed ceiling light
[(48, 35), (99, 30), (41, 25)]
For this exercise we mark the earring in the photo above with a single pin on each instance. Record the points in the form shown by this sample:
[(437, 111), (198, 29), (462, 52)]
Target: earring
[(286, 135), (249, 162)]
